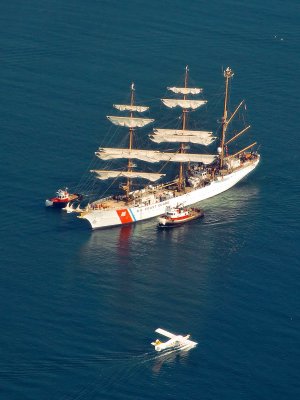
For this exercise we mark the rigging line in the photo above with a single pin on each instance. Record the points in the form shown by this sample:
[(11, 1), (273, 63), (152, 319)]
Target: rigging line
[(85, 173), (244, 118), (167, 162), (108, 188), (170, 121), (90, 181), (112, 132), (89, 184)]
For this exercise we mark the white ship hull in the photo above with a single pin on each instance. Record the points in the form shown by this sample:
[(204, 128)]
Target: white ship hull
[(126, 215)]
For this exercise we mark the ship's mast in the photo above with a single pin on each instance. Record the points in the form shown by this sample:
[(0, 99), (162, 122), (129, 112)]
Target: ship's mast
[(228, 74), (129, 166), (184, 118)]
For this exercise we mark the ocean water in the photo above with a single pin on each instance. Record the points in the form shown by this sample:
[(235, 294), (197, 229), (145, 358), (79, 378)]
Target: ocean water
[(79, 308)]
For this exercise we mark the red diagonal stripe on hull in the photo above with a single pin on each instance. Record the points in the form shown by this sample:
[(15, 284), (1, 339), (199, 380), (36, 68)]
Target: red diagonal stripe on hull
[(124, 216)]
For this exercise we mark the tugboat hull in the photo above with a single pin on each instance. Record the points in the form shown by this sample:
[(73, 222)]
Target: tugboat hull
[(55, 204), (165, 222)]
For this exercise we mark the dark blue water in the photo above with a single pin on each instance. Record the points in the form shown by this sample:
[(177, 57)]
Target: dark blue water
[(79, 308)]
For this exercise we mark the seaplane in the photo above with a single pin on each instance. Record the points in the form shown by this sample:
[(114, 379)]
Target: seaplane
[(175, 341)]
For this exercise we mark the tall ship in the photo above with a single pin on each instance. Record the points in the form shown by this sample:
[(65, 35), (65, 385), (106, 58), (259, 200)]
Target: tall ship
[(198, 176)]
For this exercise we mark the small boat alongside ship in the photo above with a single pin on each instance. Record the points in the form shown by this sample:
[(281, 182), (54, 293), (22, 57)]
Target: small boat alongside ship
[(62, 198), (177, 216)]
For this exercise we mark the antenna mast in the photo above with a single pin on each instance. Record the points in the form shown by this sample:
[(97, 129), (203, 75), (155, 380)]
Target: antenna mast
[(181, 150), (129, 166), (228, 74)]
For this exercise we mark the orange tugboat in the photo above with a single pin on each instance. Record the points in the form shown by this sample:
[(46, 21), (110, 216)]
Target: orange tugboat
[(178, 215), (63, 197)]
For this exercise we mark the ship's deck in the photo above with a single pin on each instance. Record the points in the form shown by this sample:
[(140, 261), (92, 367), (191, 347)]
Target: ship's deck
[(147, 197), (156, 194)]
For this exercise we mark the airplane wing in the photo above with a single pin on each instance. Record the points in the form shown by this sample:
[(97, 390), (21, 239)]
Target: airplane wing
[(165, 333)]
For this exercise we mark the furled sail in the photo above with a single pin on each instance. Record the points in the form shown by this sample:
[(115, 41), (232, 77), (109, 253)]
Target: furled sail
[(183, 90), (153, 156), (193, 104), (151, 176), (128, 107), (129, 122), (182, 136)]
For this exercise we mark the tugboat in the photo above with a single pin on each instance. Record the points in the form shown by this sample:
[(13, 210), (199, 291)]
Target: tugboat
[(63, 197), (176, 216)]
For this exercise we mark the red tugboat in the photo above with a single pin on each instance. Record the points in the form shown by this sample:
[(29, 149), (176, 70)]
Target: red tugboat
[(63, 197), (178, 216)]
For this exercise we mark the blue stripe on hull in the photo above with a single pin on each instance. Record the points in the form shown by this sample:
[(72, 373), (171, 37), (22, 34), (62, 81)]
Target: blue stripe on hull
[(131, 213)]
